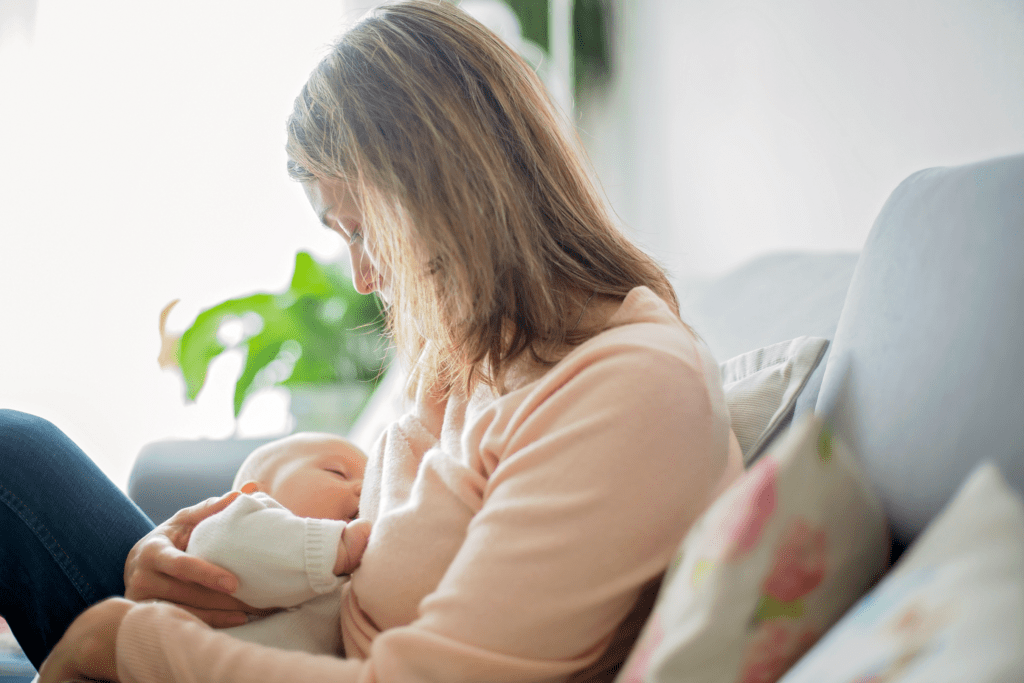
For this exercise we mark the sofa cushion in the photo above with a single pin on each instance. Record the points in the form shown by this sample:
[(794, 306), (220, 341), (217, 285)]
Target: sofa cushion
[(768, 568), (931, 332), (761, 387), (952, 609)]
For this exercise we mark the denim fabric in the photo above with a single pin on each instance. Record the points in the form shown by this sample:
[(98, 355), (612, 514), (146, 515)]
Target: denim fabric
[(65, 531)]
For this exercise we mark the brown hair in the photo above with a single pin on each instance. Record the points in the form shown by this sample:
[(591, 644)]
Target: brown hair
[(482, 208)]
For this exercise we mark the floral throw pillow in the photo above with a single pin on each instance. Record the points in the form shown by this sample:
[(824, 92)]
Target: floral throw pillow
[(768, 568), (951, 610)]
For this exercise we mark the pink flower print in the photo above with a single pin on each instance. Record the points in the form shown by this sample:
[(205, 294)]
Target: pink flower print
[(774, 649), (800, 562), (764, 660), (640, 661), (753, 508)]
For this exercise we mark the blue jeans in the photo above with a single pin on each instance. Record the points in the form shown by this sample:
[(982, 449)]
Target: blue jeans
[(65, 532)]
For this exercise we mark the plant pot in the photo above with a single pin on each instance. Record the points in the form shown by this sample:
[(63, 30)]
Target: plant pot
[(329, 408)]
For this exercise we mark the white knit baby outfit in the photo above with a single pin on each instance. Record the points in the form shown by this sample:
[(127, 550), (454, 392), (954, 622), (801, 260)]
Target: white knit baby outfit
[(281, 560)]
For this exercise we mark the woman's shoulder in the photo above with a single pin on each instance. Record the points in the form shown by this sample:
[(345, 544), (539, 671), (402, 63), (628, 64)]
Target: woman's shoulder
[(644, 321), (638, 340), (641, 342)]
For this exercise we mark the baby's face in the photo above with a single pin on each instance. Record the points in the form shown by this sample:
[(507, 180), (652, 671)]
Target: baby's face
[(312, 477)]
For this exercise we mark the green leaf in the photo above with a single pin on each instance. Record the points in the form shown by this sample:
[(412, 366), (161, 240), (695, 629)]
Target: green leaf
[(198, 345), (590, 47), (337, 331), (311, 371), (310, 278), (261, 353), (279, 326), (533, 20)]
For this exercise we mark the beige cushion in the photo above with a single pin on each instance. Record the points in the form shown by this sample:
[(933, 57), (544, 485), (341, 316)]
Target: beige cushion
[(770, 566), (761, 388), (951, 610)]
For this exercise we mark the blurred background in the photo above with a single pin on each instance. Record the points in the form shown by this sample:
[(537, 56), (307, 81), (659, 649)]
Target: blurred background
[(142, 160)]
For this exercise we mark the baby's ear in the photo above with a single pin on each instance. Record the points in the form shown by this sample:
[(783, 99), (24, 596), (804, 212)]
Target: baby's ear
[(250, 487)]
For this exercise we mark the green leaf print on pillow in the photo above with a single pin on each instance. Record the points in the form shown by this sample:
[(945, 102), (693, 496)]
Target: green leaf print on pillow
[(770, 608), (799, 567), (825, 443)]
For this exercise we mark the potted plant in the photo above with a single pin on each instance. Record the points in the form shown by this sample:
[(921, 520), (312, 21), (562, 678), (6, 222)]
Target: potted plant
[(320, 338)]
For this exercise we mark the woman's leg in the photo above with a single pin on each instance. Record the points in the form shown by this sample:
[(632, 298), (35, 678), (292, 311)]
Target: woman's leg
[(65, 531)]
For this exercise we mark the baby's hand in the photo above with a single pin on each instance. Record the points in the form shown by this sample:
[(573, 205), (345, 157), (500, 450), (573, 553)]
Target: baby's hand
[(353, 543)]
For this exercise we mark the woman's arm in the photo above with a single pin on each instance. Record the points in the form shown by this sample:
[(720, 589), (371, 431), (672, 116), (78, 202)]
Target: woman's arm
[(583, 509)]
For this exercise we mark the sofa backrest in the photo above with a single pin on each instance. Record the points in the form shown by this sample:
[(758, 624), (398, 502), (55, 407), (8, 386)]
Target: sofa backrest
[(771, 299), (932, 336)]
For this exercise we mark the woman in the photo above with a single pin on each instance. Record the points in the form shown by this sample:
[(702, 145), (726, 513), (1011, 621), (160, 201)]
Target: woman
[(567, 427)]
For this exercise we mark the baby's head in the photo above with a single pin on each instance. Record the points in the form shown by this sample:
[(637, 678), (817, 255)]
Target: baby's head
[(313, 475)]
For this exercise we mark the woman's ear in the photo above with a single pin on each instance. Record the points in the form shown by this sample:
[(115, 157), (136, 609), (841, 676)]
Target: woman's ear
[(250, 487)]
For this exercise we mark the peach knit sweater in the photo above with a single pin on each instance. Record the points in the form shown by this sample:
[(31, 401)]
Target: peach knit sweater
[(516, 538)]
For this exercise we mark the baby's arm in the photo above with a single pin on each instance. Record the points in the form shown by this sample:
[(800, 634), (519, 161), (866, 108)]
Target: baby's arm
[(280, 559), (351, 546)]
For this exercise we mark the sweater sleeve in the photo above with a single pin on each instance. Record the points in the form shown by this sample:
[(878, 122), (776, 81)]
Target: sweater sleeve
[(593, 488), (590, 488), (160, 642), (280, 559)]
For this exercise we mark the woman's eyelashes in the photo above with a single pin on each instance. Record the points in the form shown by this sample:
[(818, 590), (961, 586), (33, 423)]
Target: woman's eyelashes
[(352, 235)]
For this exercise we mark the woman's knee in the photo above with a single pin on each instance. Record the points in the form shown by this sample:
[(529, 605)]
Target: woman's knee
[(23, 435), (16, 423)]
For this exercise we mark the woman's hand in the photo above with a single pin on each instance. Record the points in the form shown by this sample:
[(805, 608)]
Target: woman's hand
[(88, 648), (157, 567)]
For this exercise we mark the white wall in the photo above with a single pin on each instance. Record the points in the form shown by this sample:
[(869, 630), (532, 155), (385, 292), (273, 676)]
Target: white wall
[(142, 149), (737, 127)]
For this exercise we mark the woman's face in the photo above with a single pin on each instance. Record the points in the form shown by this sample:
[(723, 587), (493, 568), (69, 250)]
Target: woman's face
[(337, 209)]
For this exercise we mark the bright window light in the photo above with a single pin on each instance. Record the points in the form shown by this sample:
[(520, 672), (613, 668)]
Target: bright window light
[(143, 161)]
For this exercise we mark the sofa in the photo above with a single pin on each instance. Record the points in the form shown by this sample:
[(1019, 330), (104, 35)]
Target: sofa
[(923, 376)]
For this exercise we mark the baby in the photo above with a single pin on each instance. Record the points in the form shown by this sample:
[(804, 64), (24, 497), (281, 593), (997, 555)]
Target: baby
[(289, 537)]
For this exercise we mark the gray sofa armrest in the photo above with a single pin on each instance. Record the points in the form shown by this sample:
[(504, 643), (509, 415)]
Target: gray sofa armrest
[(170, 475)]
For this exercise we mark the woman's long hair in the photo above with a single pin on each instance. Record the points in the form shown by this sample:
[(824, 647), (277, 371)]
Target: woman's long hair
[(481, 208)]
